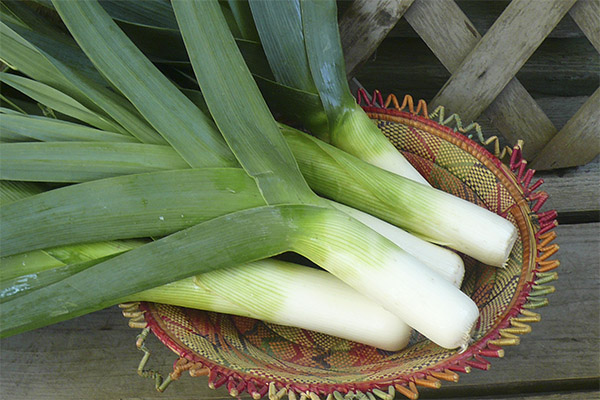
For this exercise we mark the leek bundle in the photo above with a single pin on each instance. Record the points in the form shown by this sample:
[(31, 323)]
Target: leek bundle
[(215, 190)]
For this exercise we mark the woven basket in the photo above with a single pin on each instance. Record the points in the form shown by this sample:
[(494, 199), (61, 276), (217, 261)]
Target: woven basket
[(261, 359)]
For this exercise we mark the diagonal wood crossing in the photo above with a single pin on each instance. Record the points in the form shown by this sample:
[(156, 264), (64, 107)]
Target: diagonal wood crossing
[(483, 69)]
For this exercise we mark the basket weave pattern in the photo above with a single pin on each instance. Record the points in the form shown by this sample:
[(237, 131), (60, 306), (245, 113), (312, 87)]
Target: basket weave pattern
[(261, 358)]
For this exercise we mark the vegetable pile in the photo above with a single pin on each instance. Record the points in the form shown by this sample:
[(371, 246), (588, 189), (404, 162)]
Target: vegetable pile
[(141, 161)]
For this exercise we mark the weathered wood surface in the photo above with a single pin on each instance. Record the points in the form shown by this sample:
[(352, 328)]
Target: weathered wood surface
[(559, 68), (496, 59), (94, 357), (586, 14), (576, 395), (364, 24), (500, 54), (483, 14), (402, 65), (577, 142), (573, 191), (560, 76)]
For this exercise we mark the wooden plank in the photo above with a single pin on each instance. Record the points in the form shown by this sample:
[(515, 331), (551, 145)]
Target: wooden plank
[(575, 190), (445, 28), (94, 356), (497, 58), (559, 68), (483, 14), (577, 143), (451, 36), (578, 395), (519, 117), (586, 13), (364, 24)]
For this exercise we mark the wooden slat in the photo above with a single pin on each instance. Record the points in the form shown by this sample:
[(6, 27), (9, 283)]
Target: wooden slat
[(586, 14), (562, 395), (94, 357), (500, 54), (445, 29), (483, 13), (451, 37), (364, 24), (562, 68), (577, 143), (573, 191)]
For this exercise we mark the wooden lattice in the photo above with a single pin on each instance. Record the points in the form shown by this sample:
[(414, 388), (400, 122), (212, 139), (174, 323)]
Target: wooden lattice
[(483, 68)]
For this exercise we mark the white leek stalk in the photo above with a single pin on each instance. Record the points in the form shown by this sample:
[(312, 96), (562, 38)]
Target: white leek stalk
[(288, 294), (388, 275), (443, 261)]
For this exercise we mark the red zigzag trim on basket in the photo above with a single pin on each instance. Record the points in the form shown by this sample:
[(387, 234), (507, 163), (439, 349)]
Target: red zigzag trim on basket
[(377, 101)]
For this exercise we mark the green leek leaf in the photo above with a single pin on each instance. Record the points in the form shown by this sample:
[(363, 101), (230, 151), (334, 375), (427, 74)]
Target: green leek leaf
[(280, 28), (65, 67), (243, 18), (58, 101), (152, 13), (236, 104), (129, 206), (191, 133), (83, 161), (325, 57), (19, 127), (217, 243), (12, 191)]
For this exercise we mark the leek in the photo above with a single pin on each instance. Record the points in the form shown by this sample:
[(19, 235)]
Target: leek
[(429, 213), (287, 294), (306, 32), (22, 128), (48, 59), (364, 260), (445, 262), (270, 290)]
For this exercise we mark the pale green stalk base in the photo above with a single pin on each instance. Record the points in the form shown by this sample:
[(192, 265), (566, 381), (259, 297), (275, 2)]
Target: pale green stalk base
[(358, 135), (443, 261), (186, 293)]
